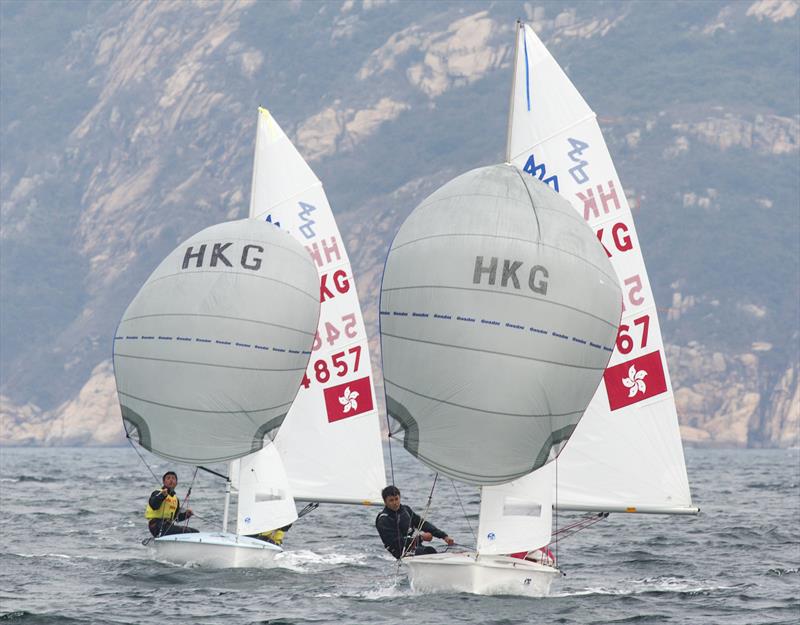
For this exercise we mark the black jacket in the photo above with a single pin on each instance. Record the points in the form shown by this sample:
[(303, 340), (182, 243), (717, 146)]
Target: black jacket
[(396, 529), (157, 497)]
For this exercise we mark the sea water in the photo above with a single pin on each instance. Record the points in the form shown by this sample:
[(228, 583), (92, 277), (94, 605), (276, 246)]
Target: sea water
[(72, 529)]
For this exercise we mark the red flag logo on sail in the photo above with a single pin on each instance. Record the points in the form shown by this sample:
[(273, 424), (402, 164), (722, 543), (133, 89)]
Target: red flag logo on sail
[(632, 381), (348, 399)]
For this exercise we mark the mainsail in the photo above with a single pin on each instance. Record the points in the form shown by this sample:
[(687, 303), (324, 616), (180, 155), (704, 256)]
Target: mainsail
[(498, 316), (210, 353), (626, 453), (330, 441)]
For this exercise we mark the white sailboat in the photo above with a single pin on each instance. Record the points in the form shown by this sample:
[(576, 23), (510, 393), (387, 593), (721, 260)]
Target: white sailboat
[(208, 358), (625, 453), (328, 448)]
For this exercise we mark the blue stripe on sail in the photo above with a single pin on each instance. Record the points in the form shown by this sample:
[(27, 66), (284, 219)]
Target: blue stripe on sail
[(498, 324), (527, 73)]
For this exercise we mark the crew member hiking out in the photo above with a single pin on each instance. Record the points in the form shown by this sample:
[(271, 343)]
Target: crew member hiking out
[(396, 524), (163, 510), (273, 536)]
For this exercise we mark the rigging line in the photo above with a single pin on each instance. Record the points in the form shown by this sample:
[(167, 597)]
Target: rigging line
[(584, 524), (389, 439), (464, 512), (130, 440), (556, 497), (186, 499), (424, 514), (580, 522)]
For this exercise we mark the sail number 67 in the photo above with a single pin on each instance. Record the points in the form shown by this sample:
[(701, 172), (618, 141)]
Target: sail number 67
[(625, 342)]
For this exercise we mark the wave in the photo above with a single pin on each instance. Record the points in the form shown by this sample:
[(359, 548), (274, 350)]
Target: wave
[(779, 571), (22, 616), (652, 585), (388, 590), (304, 560), (30, 478)]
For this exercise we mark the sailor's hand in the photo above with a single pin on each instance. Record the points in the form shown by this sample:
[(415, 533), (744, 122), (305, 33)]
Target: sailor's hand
[(165, 491), (189, 513), (426, 536), (449, 541)]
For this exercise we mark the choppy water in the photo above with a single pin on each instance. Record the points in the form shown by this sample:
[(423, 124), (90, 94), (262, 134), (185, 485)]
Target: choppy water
[(72, 524)]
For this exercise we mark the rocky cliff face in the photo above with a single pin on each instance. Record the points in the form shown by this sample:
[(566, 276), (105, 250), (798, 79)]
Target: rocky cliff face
[(133, 128), (733, 399)]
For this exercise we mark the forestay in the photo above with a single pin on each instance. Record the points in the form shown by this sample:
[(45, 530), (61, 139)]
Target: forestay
[(498, 315), (330, 442), (626, 453), (265, 500), (210, 353), (517, 516)]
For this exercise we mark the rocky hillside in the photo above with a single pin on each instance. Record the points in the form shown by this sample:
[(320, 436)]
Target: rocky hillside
[(127, 127)]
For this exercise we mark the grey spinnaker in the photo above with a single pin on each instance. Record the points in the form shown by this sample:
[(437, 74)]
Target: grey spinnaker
[(210, 353), (499, 311)]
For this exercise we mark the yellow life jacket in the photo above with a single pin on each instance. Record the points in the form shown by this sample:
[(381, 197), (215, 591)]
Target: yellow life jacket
[(166, 510), (274, 536)]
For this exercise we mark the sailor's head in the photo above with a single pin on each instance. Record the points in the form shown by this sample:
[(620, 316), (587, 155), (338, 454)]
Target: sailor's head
[(170, 479), (391, 497)]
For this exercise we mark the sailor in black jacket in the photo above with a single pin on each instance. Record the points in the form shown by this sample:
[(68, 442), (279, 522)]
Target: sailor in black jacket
[(396, 524)]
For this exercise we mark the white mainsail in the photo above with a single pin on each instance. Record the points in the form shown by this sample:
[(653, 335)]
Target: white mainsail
[(499, 311), (210, 353), (626, 453), (330, 441)]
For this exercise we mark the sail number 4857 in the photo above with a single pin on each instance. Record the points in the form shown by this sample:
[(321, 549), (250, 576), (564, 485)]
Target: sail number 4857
[(341, 362)]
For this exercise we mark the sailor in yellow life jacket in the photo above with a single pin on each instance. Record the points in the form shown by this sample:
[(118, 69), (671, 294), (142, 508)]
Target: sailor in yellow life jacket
[(163, 510), (273, 536)]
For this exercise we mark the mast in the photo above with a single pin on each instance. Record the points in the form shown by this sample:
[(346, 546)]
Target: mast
[(519, 27), (227, 505)]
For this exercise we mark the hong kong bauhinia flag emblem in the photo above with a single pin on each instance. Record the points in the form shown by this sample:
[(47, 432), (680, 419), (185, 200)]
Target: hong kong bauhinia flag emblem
[(635, 380), (348, 399)]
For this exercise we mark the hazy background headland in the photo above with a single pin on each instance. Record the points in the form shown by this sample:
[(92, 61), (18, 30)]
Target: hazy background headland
[(126, 127)]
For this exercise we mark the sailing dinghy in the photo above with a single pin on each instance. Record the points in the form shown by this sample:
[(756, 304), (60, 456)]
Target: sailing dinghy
[(499, 311), (625, 454), (328, 448), (208, 358)]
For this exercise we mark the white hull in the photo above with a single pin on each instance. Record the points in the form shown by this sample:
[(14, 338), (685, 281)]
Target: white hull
[(479, 575), (216, 550)]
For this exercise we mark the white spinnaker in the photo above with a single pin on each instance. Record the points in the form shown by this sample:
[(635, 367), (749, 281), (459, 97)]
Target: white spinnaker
[(265, 499), (626, 452), (330, 440), (517, 516), (209, 354), (499, 311)]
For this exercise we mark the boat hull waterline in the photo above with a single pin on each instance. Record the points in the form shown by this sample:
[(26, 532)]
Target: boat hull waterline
[(479, 574), (216, 550)]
